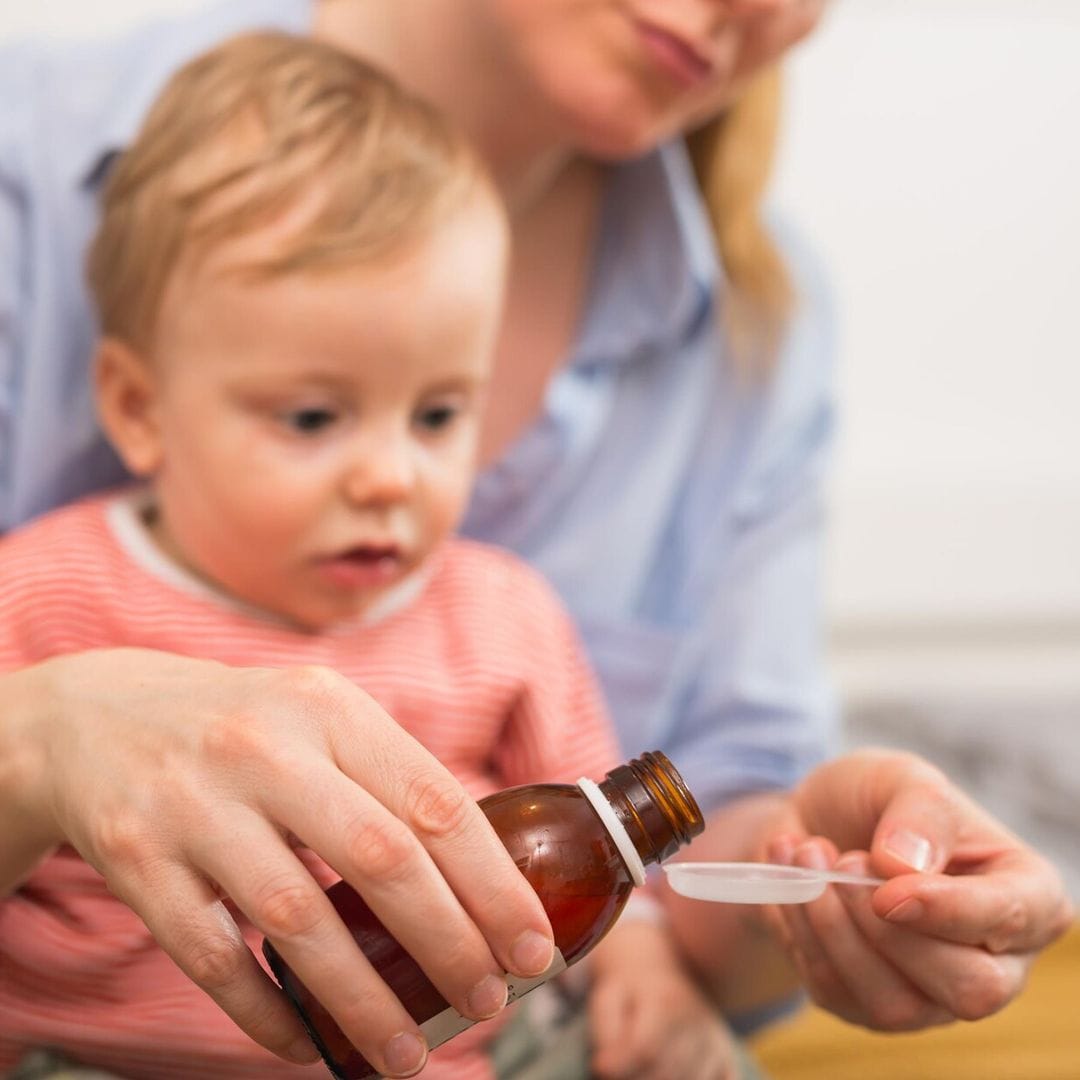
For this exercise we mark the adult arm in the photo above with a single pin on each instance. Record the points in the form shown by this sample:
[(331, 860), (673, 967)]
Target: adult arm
[(757, 713), (184, 780), (969, 934), (954, 939)]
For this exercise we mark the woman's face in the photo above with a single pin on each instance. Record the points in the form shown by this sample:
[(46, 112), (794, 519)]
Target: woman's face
[(620, 76)]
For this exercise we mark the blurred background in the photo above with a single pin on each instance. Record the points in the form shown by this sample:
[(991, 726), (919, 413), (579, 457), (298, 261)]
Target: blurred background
[(931, 156)]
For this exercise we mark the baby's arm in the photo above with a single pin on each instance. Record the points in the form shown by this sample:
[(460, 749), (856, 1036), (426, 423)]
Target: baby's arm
[(647, 1016)]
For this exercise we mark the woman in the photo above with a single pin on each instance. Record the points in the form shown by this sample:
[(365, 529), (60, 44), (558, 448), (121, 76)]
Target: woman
[(664, 478)]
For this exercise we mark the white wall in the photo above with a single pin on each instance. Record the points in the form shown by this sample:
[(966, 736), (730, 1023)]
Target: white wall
[(62, 17), (932, 153)]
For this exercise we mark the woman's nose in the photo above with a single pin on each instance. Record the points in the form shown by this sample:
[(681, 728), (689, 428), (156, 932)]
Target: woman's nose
[(743, 9)]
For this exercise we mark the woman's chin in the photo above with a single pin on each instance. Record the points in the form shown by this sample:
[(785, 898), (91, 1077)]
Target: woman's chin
[(618, 126), (614, 138)]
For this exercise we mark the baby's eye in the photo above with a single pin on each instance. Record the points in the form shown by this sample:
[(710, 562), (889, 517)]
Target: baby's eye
[(308, 421), (436, 417)]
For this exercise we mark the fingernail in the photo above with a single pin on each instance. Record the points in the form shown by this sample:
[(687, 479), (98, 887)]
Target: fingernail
[(782, 850), (487, 997), (303, 1051), (405, 1054), (532, 953), (853, 864), (812, 856), (910, 848), (906, 911)]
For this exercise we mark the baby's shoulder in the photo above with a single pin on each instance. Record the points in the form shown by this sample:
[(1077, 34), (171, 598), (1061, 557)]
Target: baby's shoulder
[(54, 547), (498, 581)]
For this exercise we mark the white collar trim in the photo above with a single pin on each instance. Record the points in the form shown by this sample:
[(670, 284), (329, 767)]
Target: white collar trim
[(126, 517)]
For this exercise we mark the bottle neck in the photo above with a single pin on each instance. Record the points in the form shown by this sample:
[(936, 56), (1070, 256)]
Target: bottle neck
[(653, 805)]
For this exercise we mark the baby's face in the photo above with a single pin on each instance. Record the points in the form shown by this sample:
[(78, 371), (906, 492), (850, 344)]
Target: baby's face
[(319, 430)]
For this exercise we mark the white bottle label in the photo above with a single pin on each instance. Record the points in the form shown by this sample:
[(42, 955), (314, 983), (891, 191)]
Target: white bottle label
[(450, 1022)]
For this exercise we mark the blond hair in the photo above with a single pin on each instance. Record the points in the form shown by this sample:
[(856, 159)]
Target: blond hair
[(263, 127), (732, 157)]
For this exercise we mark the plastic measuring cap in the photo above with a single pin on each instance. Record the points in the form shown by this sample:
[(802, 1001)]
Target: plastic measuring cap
[(756, 883)]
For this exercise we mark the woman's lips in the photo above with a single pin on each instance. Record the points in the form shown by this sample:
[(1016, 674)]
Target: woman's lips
[(362, 567), (677, 58)]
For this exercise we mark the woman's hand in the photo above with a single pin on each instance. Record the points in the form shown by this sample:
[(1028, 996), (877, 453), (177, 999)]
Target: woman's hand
[(953, 931), (183, 781), (648, 1019)]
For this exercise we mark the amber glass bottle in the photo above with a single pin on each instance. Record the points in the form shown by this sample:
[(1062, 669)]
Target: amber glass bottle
[(581, 846)]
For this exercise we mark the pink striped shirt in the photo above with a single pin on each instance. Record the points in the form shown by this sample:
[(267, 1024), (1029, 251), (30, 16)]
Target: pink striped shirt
[(483, 667)]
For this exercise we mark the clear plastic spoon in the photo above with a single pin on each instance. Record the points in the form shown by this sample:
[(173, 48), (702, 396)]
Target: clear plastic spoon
[(756, 883)]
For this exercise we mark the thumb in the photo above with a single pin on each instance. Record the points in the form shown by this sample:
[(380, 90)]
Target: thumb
[(917, 830)]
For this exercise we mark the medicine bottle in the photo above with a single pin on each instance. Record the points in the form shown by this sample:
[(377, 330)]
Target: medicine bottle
[(582, 847)]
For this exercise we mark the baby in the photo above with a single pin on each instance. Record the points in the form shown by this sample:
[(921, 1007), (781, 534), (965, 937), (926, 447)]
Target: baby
[(298, 273)]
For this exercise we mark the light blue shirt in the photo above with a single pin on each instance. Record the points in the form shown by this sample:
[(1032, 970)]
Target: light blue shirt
[(675, 506)]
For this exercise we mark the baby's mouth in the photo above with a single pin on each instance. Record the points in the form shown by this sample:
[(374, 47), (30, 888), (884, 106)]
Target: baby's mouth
[(364, 565), (372, 554)]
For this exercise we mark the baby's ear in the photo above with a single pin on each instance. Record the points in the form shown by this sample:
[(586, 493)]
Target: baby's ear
[(125, 390)]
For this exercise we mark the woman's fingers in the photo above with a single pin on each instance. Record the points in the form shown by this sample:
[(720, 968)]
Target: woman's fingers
[(922, 823), (844, 969), (406, 835), (892, 976), (899, 978), (967, 980), (191, 923), (965, 905), (1017, 906), (385, 862), (395, 823), (451, 827), (263, 877), (975, 882)]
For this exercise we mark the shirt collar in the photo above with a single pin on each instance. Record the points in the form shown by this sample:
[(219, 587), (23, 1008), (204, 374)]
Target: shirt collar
[(122, 117), (655, 271), (149, 56)]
